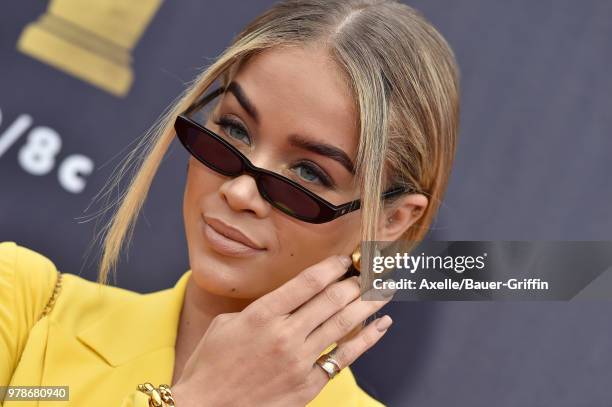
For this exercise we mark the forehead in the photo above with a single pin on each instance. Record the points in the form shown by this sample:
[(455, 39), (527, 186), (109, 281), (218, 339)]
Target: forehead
[(302, 91)]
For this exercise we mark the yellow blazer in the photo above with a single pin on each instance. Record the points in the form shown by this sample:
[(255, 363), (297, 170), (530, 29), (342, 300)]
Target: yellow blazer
[(100, 341)]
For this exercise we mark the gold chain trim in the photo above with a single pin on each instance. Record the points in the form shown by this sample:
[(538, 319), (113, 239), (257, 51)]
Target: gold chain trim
[(158, 397), (56, 290)]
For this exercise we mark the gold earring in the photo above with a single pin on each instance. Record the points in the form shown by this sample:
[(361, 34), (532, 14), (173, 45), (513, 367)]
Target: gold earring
[(356, 257)]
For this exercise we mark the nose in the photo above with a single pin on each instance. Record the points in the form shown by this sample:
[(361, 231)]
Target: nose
[(241, 194)]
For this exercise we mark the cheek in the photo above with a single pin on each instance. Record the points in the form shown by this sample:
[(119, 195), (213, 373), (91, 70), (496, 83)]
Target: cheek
[(304, 244), (191, 194), (199, 182), (198, 185)]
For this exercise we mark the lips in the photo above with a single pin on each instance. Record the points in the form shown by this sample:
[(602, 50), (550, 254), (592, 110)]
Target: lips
[(232, 233)]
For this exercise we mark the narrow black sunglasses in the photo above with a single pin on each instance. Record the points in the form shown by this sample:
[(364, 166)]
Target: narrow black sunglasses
[(283, 193)]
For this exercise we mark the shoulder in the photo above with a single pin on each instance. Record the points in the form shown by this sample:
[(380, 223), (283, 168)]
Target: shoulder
[(30, 278), (27, 279), (26, 276)]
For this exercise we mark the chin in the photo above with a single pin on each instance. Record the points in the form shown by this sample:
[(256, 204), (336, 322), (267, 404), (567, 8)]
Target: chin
[(223, 277)]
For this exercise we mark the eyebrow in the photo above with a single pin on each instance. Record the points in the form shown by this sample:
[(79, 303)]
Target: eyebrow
[(295, 140), (326, 150), (244, 101)]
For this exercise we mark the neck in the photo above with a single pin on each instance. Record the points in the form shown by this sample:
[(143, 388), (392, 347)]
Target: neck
[(199, 308)]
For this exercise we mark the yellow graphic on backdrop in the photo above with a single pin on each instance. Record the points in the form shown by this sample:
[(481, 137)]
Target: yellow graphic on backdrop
[(91, 39)]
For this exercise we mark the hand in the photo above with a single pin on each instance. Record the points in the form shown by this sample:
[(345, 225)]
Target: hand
[(265, 355)]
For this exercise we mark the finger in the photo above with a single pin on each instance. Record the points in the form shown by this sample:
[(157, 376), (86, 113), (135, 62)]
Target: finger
[(325, 304), (346, 352), (304, 286), (341, 323)]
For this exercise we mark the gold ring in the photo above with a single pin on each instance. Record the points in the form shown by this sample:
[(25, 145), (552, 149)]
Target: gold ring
[(329, 364)]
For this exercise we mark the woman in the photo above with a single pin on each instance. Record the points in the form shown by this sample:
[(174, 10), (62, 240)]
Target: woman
[(334, 122)]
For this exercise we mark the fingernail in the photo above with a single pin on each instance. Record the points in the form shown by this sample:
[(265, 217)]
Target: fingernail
[(383, 323), (345, 260)]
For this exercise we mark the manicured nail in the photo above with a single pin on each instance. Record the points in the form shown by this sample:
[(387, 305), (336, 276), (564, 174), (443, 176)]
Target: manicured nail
[(383, 323), (345, 260)]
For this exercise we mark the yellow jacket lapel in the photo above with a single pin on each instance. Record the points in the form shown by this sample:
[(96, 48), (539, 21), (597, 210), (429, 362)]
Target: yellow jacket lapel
[(143, 324)]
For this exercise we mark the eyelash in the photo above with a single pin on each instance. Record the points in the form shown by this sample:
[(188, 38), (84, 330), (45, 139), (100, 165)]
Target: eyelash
[(225, 122)]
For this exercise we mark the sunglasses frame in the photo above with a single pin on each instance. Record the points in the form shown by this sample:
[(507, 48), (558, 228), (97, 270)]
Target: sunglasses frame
[(327, 210)]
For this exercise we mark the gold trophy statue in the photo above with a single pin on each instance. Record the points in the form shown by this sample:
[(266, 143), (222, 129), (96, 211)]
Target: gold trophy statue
[(91, 39)]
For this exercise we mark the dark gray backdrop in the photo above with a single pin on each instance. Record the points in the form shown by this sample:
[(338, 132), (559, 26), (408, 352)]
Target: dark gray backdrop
[(533, 163)]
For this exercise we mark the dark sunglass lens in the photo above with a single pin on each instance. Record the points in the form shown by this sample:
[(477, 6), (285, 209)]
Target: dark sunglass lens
[(207, 148), (290, 199)]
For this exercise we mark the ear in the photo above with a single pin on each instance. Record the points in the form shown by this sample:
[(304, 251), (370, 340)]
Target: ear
[(400, 215)]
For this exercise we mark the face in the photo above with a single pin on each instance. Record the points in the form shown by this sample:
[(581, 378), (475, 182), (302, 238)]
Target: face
[(302, 108)]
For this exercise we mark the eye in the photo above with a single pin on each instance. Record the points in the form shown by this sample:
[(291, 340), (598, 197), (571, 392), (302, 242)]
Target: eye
[(234, 129), (311, 173), (305, 170)]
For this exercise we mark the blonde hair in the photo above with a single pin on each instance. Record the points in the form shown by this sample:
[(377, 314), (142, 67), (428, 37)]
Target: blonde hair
[(404, 81)]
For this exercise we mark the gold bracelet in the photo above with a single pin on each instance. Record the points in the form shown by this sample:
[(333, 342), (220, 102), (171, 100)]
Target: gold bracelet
[(158, 397)]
